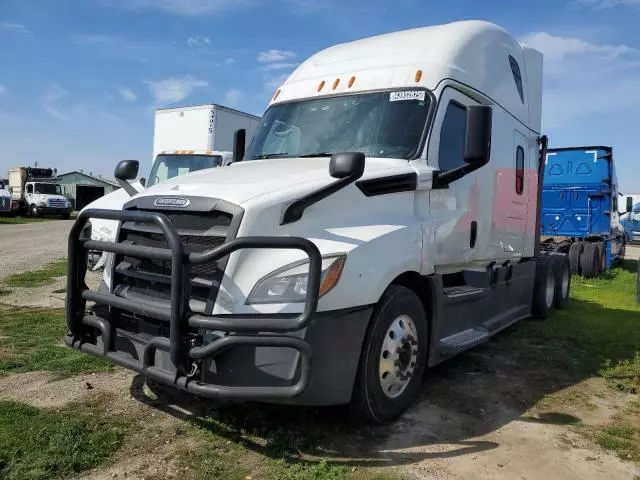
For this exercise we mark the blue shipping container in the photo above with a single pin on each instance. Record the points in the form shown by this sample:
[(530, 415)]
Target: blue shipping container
[(580, 200)]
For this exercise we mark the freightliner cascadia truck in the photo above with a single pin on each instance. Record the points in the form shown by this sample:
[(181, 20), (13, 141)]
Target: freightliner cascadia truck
[(355, 243)]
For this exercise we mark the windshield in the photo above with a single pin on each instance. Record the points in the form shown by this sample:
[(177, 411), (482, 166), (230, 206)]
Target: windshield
[(169, 166), (48, 189), (380, 124)]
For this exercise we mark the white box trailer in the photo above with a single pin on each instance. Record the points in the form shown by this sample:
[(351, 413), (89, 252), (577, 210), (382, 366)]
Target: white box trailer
[(185, 139), (384, 219), (199, 127)]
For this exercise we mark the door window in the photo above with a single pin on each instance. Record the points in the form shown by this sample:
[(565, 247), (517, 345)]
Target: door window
[(519, 170), (452, 137), (30, 188)]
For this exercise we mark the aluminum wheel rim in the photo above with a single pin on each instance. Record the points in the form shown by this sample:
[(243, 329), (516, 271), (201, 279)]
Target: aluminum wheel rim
[(550, 288), (398, 356), (565, 282)]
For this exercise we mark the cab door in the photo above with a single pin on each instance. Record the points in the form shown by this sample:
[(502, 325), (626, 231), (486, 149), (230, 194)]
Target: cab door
[(457, 211)]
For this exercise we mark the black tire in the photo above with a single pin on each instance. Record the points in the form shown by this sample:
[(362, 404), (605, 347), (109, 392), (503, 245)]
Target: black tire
[(589, 261), (562, 268), (33, 211), (602, 257), (544, 288), (575, 252), (370, 401)]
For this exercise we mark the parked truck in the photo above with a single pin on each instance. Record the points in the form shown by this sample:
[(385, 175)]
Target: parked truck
[(579, 213), (5, 200), (185, 139), (37, 193), (630, 221), (337, 260)]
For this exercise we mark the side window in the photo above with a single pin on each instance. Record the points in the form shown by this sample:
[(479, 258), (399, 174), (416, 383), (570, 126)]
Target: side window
[(452, 136), (30, 188), (517, 77), (519, 170)]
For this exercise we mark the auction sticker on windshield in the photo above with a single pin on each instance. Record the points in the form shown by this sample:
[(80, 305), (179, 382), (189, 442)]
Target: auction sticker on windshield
[(407, 95)]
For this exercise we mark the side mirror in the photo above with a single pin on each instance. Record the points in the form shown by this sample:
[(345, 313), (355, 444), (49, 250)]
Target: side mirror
[(127, 170), (346, 164), (477, 145), (239, 140), (629, 204)]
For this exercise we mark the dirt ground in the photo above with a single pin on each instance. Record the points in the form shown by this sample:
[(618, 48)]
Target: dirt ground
[(27, 246), (474, 420), (476, 417)]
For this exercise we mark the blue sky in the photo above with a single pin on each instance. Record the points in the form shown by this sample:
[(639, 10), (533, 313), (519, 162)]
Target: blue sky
[(79, 79)]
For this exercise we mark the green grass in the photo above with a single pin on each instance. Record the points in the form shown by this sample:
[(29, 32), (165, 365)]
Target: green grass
[(622, 435), (599, 334), (215, 457), (45, 444), (39, 277), (31, 340), (21, 220)]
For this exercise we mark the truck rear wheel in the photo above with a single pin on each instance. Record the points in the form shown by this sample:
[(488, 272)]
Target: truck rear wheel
[(544, 288), (562, 268), (589, 261), (393, 357), (575, 251)]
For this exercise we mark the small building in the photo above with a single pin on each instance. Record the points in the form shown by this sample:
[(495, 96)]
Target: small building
[(83, 188)]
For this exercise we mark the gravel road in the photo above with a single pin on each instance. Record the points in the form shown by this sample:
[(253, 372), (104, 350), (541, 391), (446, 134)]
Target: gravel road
[(28, 246)]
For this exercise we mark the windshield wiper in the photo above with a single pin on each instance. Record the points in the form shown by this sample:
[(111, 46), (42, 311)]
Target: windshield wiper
[(268, 155), (318, 154)]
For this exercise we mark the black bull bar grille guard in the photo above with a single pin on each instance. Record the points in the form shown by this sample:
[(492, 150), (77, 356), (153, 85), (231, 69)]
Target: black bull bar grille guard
[(244, 330)]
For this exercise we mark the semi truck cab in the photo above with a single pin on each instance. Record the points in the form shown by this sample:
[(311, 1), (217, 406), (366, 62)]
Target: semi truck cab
[(354, 245)]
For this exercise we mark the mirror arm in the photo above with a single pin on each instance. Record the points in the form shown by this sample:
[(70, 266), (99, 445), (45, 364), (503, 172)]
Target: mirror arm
[(127, 187), (442, 179), (294, 212)]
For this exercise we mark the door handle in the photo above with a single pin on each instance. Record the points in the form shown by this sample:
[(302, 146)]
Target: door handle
[(473, 235)]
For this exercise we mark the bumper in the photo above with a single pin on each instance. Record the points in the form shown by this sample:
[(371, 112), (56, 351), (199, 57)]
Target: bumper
[(54, 210), (258, 357)]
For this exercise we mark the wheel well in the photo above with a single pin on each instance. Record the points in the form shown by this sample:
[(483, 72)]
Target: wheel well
[(417, 283)]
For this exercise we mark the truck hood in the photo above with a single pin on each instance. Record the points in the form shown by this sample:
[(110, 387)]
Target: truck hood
[(243, 181), (47, 196)]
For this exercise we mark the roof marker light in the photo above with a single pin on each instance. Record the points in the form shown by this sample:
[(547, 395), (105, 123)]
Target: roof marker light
[(275, 95), (321, 85), (418, 75), (351, 81), (336, 83)]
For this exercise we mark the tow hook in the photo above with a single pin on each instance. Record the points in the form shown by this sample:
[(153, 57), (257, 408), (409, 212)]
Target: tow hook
[(194, 370)]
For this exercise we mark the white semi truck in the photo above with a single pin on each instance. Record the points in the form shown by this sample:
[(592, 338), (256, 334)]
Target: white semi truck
[(185, 139), (37, 192), (356, 244)]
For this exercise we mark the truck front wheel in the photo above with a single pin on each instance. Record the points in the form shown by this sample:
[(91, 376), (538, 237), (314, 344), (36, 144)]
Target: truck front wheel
[(34, 211), (393, 357)]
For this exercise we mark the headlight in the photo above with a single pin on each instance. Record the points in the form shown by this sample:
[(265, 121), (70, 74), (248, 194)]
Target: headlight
[(42, 204), (289, 284)]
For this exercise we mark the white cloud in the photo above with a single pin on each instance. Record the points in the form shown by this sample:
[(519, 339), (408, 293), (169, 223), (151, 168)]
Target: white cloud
[(15, 28), (2, 89), (127, 94), (601, 4), (182, 7), (229, 61), (198, 42), (271, 82), (174, 89), (232, 97), (278, 66), (51, 100), (275, 56), (584, 79)]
